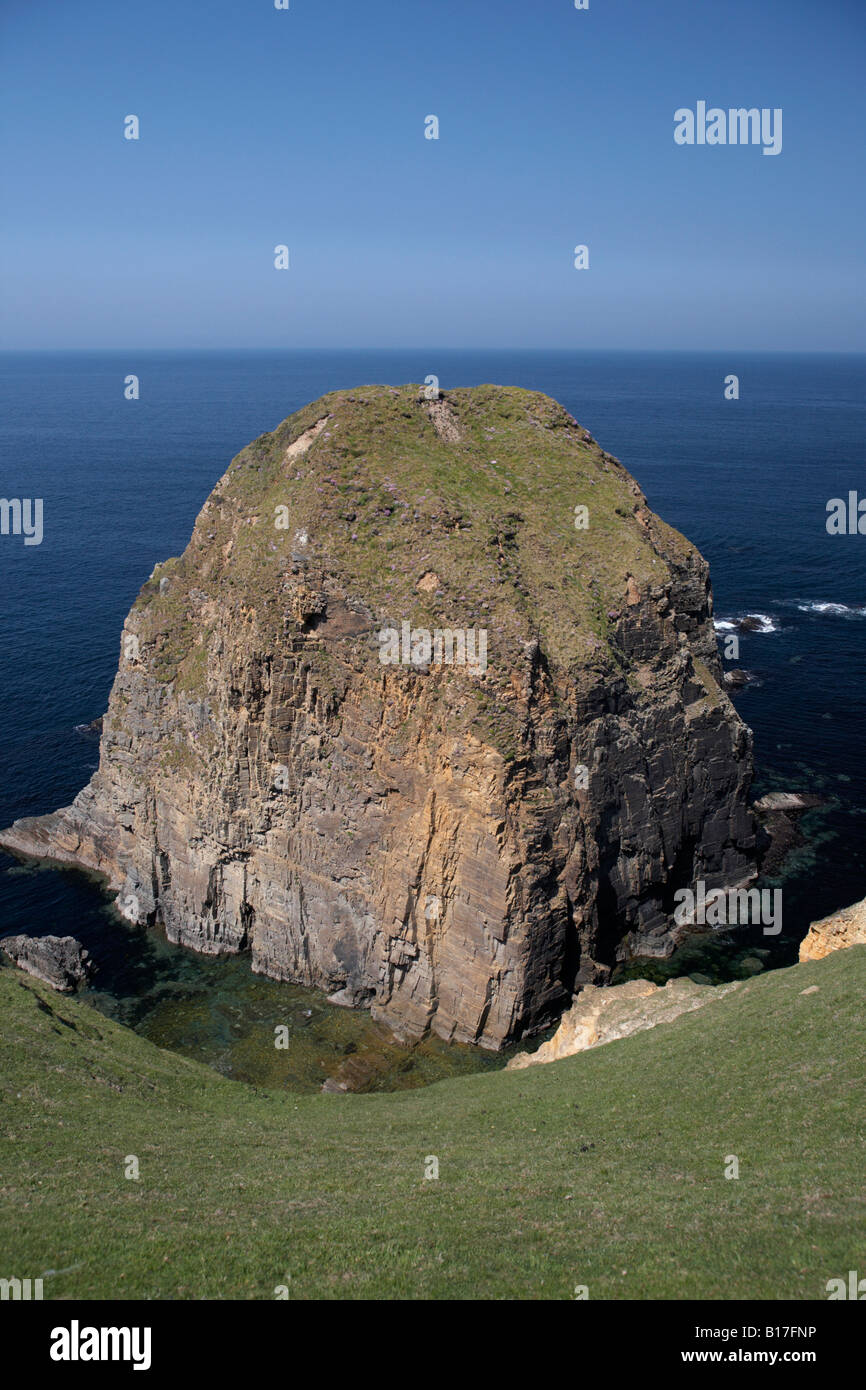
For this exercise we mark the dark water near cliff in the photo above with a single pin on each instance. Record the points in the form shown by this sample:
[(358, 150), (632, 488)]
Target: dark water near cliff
[(747, 481)]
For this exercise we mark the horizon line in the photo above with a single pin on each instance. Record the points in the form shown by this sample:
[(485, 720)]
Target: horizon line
[(766, 352)]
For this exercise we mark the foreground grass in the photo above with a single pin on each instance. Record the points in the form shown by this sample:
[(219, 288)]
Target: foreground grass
[(606, 1169)]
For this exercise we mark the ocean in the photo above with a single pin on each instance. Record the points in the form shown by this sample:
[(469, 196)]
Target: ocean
[(747, 480)]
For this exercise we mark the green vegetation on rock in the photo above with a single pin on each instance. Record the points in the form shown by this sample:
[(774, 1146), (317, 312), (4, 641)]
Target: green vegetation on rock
[(383, 498)]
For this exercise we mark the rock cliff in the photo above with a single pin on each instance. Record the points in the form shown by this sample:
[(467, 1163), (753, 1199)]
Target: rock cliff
[(599, 1016), (60, 961), (842, 929), (290, 764)]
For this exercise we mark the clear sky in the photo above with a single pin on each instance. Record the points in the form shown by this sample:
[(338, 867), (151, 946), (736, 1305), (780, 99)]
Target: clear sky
[(306, 127)]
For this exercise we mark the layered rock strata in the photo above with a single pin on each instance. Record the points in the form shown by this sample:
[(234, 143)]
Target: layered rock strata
[(842, 929), (458, 846), (59, 961)]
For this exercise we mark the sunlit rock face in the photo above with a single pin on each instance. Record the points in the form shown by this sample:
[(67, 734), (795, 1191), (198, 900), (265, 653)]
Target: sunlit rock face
[(844, 928), (455, 843)]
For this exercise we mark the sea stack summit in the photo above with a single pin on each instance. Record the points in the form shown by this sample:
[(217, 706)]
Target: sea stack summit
[(455, 847)]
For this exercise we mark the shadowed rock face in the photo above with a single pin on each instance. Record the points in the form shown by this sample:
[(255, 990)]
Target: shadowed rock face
[(457, 848), (60, 961)]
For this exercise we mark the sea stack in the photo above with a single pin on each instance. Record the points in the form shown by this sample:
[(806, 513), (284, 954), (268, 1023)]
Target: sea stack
[(455, 843)]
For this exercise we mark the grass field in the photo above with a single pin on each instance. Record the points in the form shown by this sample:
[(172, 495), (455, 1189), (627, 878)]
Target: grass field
[(605, 1170)]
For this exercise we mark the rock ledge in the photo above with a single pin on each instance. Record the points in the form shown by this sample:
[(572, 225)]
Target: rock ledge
[(59, 961)]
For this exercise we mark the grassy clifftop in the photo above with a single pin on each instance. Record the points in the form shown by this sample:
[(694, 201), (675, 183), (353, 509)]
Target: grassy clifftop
[(478, 489), (605, 1169)]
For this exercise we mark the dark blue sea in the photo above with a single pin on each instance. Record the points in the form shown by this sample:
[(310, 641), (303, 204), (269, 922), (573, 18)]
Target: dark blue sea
[(122, 481)]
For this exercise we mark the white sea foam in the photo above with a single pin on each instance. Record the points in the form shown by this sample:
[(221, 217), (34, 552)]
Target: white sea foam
[(764, 621), (836, 610), (768, 624)]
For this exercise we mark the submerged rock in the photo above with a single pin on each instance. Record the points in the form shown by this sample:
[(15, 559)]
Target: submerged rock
[(430, 716), (59, 961), (91, 730), (780, 833), (787, 801), (738, 678)]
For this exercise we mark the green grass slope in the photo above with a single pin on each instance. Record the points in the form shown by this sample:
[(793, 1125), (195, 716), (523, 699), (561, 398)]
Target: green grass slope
[(605, 1169)]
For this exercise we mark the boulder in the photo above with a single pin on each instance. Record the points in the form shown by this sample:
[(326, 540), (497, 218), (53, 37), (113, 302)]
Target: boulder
[(59, 961), (788, 801), (737, 678), (836, 932)]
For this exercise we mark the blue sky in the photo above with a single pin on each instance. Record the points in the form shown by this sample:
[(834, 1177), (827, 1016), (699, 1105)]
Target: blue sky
[(306, 127)]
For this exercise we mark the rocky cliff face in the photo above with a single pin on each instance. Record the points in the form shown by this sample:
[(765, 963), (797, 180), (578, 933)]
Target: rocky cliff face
[(60, 961), (842, 929), (600, 1016), (457, 846)]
